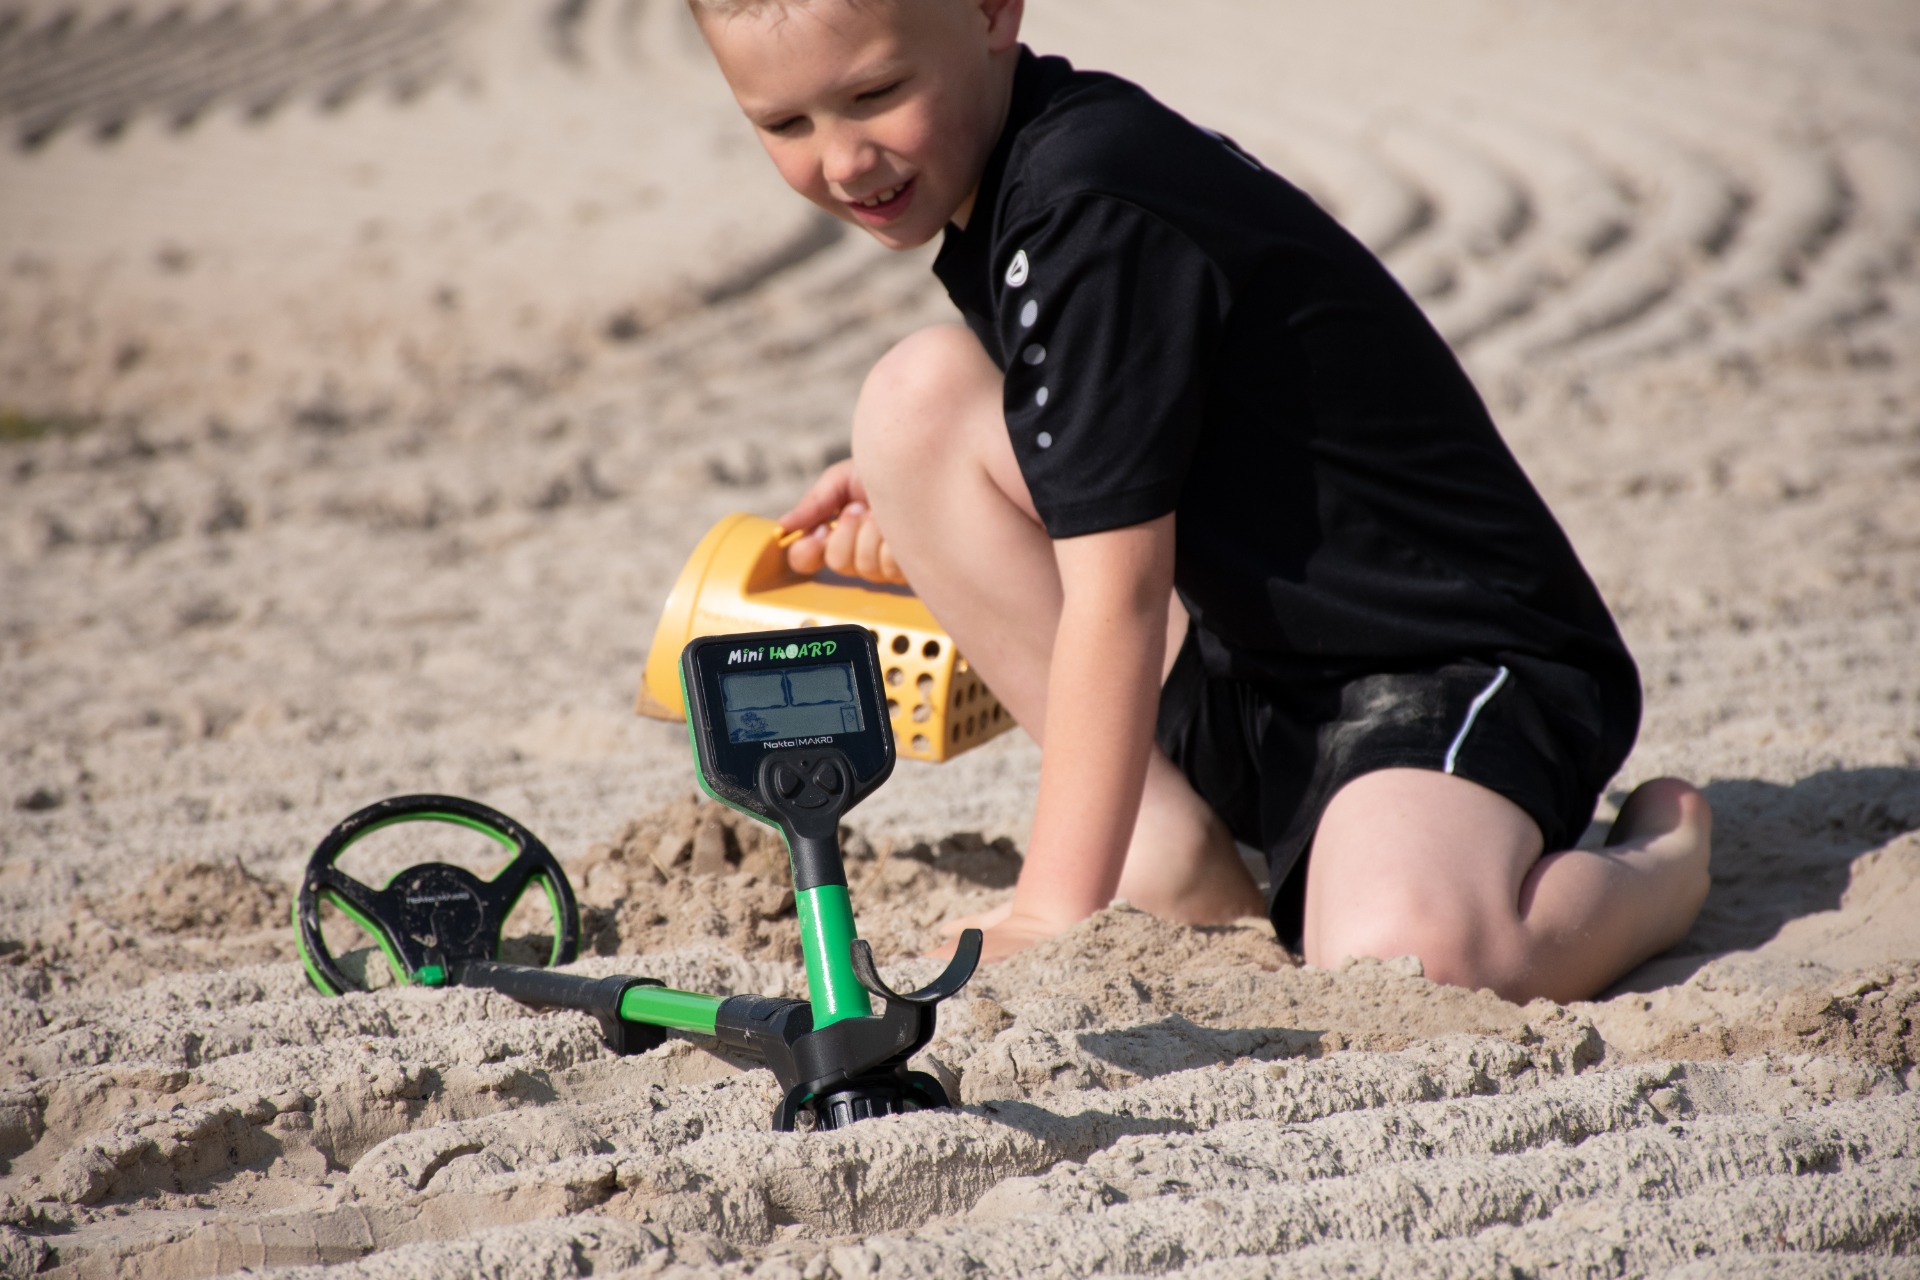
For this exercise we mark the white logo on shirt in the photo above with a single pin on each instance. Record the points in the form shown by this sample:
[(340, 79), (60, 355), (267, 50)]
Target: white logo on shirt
[(1017, 270)]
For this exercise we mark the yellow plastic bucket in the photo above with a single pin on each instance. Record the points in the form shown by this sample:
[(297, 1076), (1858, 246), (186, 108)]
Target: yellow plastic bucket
[(738, 580)]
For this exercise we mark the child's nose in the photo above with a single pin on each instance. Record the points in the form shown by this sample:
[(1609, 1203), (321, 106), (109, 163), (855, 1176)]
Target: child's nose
[(848, 156)]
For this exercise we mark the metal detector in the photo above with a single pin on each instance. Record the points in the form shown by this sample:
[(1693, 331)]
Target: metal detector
[(790, 728)]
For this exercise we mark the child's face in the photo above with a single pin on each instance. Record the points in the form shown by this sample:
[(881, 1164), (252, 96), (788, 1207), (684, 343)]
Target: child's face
[(882, 112)]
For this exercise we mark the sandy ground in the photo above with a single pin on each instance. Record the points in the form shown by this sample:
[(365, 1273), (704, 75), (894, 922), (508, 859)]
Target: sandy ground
[(365, 382)]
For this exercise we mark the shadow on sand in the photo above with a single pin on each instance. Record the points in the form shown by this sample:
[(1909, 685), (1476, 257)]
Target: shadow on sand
[(1176, 1043), (1781, 852)]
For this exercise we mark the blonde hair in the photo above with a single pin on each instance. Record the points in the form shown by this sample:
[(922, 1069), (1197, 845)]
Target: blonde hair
[(733, 8)]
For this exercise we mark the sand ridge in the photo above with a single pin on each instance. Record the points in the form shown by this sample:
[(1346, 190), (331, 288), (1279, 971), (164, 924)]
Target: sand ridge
[(357, 420)]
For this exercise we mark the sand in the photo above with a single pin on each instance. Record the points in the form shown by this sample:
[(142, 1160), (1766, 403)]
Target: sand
[(364, 384)]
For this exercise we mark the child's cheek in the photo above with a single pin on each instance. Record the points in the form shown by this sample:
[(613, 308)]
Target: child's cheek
[(914, 145), (797, 169), (917, 134)]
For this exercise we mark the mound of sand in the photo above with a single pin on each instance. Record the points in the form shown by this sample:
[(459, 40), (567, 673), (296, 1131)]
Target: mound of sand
[(366, 373)]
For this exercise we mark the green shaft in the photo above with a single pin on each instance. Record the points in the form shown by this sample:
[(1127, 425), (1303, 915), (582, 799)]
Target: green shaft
[(675, 1010), (826, 943)]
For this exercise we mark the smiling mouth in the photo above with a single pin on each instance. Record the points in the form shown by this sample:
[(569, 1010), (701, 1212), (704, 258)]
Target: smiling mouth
[(883, 206)]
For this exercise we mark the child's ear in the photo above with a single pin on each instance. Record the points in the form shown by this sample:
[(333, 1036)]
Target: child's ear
[(1003, 23)]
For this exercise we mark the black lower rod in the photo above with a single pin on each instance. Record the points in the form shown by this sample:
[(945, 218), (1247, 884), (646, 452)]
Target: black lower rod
[(846, 1071), (543, 988)]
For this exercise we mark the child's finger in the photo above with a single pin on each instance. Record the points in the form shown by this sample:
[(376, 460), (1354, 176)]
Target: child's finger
[(868, 543), (808, 554), (843, 538), (889, 567)]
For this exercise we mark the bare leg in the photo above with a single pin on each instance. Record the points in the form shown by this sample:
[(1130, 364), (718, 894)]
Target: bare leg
[(931, 445), (1408, 861)]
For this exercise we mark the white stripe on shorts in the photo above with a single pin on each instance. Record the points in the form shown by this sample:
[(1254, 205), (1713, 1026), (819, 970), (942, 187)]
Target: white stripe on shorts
[(1473, 713)]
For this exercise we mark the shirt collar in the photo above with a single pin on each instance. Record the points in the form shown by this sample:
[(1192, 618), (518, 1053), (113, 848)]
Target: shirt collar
[(965, 263)]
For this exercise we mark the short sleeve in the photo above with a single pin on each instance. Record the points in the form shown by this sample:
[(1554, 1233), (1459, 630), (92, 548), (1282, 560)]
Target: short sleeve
[(1109, 320)]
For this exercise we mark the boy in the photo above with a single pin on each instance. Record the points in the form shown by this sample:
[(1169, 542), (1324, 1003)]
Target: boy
[(1178, 374)]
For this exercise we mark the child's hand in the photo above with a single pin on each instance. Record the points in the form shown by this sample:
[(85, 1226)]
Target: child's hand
[(983, 920), (1006, 930), (842, 534)]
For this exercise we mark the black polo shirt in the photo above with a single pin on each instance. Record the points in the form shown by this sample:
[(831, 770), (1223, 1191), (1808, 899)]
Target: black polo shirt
[(1184, 331)]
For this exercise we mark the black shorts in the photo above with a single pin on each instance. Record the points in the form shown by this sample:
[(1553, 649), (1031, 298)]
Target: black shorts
[(1269, 758)]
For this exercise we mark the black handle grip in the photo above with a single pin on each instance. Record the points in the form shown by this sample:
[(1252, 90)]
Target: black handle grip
[(545, 988)]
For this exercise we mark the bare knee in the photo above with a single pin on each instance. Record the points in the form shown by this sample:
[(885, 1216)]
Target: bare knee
[(919, 402), (1456, 946)]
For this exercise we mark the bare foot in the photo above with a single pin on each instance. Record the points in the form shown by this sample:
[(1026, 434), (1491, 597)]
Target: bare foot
[(1182, 864), (1664, 807), (1187, 881), (1667, 825), (1220, 895)]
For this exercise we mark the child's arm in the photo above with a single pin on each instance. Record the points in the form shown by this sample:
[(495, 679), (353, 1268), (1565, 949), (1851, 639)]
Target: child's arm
[(1103, 692)]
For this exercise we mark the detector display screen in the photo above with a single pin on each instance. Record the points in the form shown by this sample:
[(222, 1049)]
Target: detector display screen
[(790, 702), (797, 697)]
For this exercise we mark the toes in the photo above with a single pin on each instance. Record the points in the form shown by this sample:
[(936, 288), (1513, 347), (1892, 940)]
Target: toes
[(1658, 807)]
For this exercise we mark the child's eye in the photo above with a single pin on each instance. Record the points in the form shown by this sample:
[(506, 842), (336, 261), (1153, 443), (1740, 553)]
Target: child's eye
[(783, 127), (874, 95)]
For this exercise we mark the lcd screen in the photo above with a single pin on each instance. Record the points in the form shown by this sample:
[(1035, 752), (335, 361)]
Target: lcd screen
[(798, 702)]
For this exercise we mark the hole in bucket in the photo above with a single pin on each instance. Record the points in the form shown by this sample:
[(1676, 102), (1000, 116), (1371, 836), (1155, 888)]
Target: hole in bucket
[(896, 677), (921, 744), (924, 684), (922, 713), (931, 649), (901, 644)]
